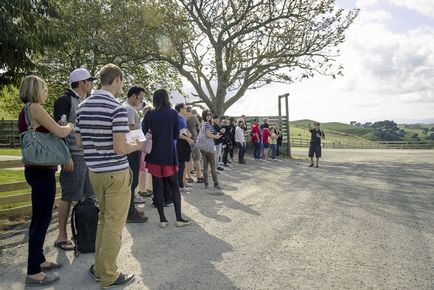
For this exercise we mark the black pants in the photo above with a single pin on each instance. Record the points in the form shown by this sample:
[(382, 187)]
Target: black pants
[(163, 186), (181, 169), (231, 152), (134, 161), (226, 151), (43, 184)]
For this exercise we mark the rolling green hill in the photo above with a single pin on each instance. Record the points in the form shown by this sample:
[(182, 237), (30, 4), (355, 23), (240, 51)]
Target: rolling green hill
[(340, 129)]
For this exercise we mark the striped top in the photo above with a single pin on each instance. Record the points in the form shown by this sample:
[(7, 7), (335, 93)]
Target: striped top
[(98, 117)]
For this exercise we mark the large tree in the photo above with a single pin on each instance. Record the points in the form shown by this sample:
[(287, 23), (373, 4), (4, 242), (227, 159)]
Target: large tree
[(223, 48), (106, 31), (27, 29)]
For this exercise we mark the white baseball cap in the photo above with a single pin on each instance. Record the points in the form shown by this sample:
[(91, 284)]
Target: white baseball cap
[(80, 74)]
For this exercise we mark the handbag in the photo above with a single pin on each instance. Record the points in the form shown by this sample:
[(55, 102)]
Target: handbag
[(39, 148), (204, 143), (147, 145)]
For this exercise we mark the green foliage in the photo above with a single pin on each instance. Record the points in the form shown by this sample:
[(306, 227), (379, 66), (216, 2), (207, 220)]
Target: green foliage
[(27, 30), (386, 130), (10, 103), (101, 32)]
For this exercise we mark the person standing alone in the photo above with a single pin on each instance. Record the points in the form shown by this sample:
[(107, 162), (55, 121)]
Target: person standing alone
[(315, 143)]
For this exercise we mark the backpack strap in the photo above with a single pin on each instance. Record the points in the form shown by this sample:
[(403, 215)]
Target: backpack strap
[(74, 231)]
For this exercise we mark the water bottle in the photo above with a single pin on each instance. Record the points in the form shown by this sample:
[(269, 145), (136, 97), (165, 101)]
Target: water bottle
[(63, 120)]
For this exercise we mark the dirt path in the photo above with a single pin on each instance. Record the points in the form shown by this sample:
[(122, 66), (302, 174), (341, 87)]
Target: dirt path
[(363, 220)]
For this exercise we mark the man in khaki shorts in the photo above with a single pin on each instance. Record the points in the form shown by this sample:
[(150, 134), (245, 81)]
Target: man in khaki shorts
[(101, 125)]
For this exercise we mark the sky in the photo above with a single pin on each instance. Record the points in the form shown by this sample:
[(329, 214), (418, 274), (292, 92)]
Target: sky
[(388, 60)]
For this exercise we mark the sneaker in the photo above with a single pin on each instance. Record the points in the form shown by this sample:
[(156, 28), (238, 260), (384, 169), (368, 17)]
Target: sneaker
[(220, 168), (49, 279), (226, 165), (168, 204), (163, 224), (123, 280), (93, 275), (190, 180), (137, 218), (138, 199), (183, 223), (217, 186), (311, 165), (200, 180)]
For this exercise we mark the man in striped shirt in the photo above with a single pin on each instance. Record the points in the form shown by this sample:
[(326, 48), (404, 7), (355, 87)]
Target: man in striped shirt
[(101, 125)]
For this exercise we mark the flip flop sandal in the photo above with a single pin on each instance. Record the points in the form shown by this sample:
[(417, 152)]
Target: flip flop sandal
[(52, 266), (64, 245)]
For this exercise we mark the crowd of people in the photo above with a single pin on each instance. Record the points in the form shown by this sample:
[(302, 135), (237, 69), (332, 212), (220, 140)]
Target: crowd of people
[(106, 167)]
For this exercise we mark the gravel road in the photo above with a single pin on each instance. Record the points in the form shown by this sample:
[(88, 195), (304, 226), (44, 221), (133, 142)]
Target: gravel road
[(363, 220)]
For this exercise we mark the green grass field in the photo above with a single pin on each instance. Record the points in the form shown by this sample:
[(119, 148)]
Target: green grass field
[(10, 151)]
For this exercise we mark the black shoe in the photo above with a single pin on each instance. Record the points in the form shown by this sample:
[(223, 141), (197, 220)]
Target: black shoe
[(93, 275), (137, 218), (199, 180), (220, 168), (123, 280), (168, 204), (311, 165), (316, 166)]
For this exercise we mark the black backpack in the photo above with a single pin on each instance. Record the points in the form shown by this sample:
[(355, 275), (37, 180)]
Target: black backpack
[(84, 223)]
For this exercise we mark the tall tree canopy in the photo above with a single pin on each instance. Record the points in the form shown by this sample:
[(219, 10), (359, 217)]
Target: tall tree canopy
[(26, 30), (225, 47)]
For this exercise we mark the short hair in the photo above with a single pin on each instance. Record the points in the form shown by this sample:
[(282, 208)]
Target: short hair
[(179, 107), (239, 121), (31, 89), (215, 117), (189, 109), (135, 90), (75, 85), (160, 99), (108, 73), (205, 113)]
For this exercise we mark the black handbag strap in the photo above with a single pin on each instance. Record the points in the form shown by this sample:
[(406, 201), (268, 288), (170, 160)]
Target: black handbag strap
[(74, 230)]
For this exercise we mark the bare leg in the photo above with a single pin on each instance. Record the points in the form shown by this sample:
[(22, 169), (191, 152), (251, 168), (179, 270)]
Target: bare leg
[(62, 217)]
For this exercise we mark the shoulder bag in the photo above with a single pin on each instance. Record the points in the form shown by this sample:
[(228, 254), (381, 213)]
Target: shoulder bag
[(39, 148)]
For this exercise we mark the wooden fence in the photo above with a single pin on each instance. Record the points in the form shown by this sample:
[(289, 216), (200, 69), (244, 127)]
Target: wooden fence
[(18, 198), (9, 134)]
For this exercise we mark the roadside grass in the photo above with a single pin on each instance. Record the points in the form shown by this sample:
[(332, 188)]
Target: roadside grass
[(10, 176), (10, 151)]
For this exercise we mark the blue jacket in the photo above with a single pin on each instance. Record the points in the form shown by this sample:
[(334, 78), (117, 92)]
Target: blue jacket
[(164, 126)]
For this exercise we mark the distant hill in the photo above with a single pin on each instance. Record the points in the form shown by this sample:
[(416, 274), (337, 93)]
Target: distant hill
[(339, 128)]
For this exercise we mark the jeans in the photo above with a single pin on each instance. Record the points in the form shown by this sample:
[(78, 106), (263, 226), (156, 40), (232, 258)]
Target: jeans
[(256, 150), (273, 150), (134, 161), (218, 154), (43, 184), (241, 150)]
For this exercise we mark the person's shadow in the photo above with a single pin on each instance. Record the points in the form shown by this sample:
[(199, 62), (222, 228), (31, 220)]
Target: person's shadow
[(178, 258)]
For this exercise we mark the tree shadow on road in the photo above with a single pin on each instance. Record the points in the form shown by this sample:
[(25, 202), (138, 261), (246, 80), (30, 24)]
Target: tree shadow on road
[(179, 258)]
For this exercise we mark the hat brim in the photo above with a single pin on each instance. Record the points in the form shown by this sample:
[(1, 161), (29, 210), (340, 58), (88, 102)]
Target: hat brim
[(92, 79)]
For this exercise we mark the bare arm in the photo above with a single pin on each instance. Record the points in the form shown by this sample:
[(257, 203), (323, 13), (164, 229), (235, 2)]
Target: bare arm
[(41, 117), (121, 147)]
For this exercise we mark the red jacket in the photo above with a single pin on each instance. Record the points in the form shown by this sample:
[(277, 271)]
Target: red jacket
[(255, 133)]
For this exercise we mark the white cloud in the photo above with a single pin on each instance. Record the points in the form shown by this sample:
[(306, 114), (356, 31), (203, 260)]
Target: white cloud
[(424, 7)]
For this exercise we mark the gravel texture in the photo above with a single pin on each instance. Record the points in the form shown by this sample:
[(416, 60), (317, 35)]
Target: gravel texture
[(363, 220)]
